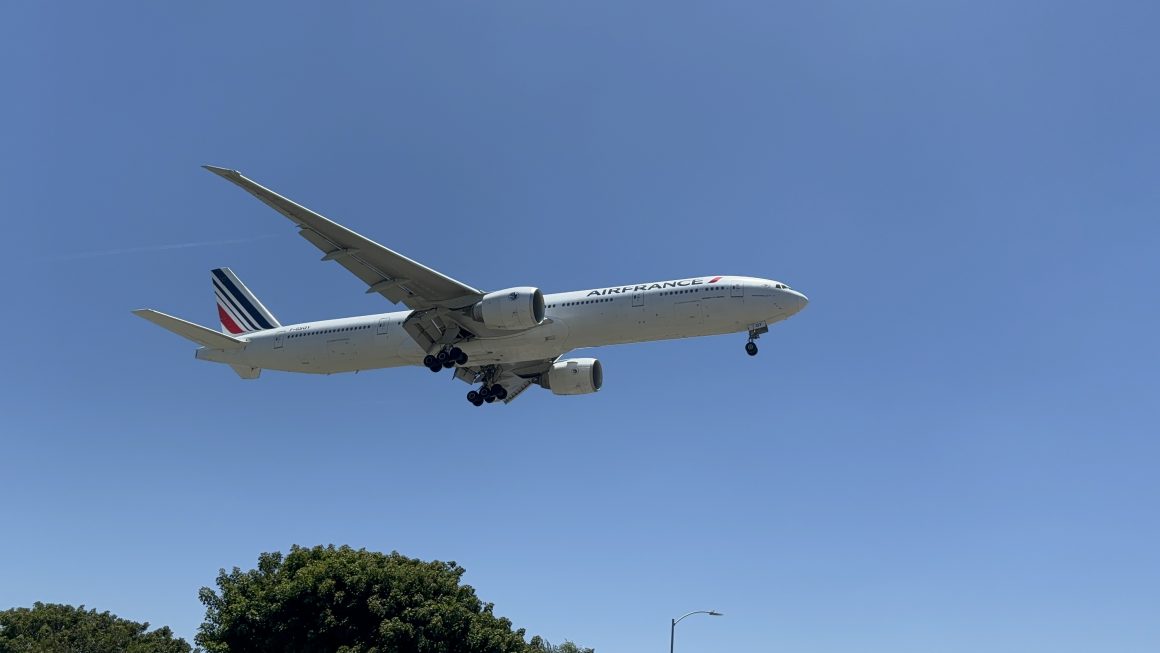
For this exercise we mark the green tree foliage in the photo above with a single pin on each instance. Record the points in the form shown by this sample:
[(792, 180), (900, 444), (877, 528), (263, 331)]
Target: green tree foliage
[(351, 601), (539, 645), (53, 628)]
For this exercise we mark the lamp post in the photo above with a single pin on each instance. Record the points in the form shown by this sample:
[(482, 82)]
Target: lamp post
[(673, 628)]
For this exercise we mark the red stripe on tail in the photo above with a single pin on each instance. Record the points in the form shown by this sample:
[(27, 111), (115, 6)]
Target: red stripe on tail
[(227, 321)]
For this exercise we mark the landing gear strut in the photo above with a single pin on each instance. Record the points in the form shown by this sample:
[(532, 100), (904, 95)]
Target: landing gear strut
[(755, 331)]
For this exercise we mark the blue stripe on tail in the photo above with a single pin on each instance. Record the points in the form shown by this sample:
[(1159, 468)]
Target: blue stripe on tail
[(251, 313)]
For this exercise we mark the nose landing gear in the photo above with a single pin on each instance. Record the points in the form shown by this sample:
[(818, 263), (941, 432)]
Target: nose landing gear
[(755, 331)]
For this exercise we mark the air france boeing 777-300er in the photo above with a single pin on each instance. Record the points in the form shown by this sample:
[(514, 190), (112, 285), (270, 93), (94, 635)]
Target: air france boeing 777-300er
[(502, 341)]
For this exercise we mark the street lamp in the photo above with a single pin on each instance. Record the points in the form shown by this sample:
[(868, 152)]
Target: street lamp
[(673, 628)]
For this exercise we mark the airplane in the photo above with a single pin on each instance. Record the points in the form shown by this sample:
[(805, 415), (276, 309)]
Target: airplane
[(502, 341)]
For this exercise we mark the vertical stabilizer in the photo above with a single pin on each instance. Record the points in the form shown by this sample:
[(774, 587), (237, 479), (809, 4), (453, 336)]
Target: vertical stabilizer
[(238, 309)]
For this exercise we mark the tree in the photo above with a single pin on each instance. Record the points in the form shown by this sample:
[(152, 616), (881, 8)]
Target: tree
[(351, 601), (54, 628), (540, 645)]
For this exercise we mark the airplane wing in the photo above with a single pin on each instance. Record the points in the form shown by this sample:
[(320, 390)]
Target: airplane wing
[(386, 272)]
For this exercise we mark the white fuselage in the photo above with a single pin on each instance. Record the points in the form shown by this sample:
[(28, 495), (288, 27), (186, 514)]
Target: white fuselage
[(684, 308)]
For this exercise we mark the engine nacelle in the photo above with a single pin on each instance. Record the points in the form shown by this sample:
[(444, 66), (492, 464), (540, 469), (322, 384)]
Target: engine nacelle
[(578, 376), (514, 308)]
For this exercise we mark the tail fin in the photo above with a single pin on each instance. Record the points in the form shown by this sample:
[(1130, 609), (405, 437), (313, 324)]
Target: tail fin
[(238, 308)]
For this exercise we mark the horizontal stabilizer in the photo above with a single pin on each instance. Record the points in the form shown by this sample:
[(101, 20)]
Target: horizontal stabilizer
[(203, 336)]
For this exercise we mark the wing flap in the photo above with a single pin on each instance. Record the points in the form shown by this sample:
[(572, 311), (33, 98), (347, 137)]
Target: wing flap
[(515, 388), (367, 273)]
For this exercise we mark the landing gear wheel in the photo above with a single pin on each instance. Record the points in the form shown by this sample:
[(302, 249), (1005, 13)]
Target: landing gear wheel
[(473, 396), (489, 398), (442, 356), (449, 363), (428, 360), (499, 392), (477, 403), (461, 359), (435, 368), (755, 332), (485, 393)]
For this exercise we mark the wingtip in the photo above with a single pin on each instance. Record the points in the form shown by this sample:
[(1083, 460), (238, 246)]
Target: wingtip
[(224, 172)]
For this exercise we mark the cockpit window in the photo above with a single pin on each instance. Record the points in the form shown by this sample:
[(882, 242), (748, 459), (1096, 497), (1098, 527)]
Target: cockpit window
[(781, 286)]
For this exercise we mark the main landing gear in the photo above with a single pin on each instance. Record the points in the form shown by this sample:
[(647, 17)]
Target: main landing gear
[(446, 358), (755, 331), (487, 394), (489, 391)]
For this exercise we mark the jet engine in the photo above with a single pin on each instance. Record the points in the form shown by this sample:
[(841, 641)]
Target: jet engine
[(514, 308), (578, 376)]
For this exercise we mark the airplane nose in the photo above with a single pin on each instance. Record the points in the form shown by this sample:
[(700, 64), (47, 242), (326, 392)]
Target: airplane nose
[(801, 300)]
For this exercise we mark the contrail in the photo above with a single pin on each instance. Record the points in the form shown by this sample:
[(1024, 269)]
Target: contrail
[(162, 248)]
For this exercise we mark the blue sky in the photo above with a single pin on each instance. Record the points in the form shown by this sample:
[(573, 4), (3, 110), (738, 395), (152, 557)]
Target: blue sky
[(953, 448)]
